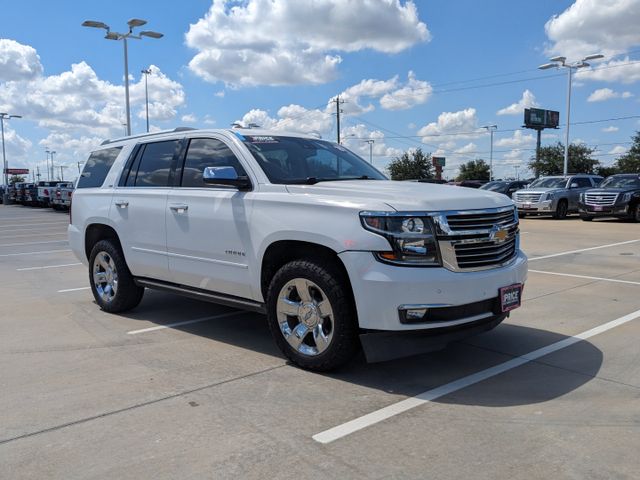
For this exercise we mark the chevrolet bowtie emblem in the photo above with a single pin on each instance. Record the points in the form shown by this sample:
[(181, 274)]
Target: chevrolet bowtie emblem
[(499, 234)]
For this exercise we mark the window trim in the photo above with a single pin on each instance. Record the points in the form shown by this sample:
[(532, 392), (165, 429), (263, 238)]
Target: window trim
[(138, 152), (113, 162)]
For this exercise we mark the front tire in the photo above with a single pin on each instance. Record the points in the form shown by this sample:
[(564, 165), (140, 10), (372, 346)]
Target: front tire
[(111, 280), (312, 316), (561, 210)]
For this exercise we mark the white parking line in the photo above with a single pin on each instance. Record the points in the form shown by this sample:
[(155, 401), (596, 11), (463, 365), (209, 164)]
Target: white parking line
[(30, 243), (586, 277), (365, 421), (48, 266), (39, 234), (73, 289), (33, 253), (177, 324), (584, 250)]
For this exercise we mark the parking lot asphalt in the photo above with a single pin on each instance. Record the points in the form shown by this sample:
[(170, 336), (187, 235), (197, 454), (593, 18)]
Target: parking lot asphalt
[(553, 392)]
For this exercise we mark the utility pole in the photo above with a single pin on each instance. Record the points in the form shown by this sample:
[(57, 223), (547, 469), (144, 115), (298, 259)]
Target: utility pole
[(79, 163), (5, 197), (146, 73), (370, 142), (62, 167), (53, 174), (517, 174), (490, 129), (338, 111), (38, 170)]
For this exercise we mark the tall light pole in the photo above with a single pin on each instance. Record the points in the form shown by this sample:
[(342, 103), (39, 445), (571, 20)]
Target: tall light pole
[(490, 129), (560, 62), (49, 170), (370, 142), (5, 116), (517, 174), (53, 174), (134, 22), (146, 72)]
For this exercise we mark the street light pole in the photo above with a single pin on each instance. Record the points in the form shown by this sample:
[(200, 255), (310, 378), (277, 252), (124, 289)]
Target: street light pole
[(560, 62), (146, 73), (53, 174), (5, 197), (134, 22), (517, 174), (490, 129)]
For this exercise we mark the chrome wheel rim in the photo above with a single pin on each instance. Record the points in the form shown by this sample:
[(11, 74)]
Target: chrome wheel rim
[(305, 317), (105, 277)]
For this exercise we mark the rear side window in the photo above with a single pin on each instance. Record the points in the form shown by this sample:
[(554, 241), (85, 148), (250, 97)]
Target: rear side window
[(207, 152), (582, 182), (97, 167), (152, 167)]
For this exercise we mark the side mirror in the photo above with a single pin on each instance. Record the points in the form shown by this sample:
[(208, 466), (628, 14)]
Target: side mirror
[(226, 176), (574, 185)]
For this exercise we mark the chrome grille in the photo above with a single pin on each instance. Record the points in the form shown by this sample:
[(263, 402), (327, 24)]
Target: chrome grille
[(600, 199), (478, 239), (480, 221), (528, 197)]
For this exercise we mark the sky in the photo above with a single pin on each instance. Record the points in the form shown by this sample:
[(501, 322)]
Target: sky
[(412, 74)]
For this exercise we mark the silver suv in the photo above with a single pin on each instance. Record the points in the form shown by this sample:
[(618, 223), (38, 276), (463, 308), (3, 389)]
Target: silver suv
[(556, 196)]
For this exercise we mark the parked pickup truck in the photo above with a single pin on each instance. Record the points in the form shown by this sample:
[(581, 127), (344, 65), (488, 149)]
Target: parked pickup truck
[(31, 195), (20, 187), (618, 196), (61, 196), (557, 196), (45, 190), (300, 229)]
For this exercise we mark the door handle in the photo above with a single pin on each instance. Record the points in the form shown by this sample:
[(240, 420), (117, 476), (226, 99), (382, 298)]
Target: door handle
[(179, 208), (122, 204)]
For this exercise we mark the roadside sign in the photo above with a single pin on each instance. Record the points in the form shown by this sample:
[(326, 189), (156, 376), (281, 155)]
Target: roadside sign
[(16, 171), (439, 161), (538, 118)]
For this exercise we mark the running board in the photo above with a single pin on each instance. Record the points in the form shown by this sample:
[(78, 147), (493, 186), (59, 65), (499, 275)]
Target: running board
[(213, 297)]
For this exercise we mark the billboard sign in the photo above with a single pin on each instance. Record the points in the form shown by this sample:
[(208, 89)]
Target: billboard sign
[(538, 118), (16, 171), (438, 161)]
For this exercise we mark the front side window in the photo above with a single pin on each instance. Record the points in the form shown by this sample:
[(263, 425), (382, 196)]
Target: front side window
[(153, 165), (203, 153), (582, 182), (289, 160), (549, 182), (97, 167)]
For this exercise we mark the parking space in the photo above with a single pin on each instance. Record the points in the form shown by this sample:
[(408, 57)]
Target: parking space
[(183, 389)]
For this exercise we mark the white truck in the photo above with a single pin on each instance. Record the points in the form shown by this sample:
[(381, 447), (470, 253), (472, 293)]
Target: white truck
[(300, 229)]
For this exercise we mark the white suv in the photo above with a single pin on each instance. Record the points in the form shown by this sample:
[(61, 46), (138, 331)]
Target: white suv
[(301, 229)]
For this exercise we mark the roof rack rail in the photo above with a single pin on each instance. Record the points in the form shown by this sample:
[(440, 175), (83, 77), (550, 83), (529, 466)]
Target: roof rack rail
[(148, 134)]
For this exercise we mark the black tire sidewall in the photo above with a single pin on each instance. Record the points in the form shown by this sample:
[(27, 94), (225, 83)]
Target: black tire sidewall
[(344, 343)]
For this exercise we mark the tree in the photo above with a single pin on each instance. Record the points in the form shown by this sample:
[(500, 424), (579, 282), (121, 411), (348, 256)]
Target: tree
[(630, 161), (411, 165), (16, 179), (474, 170), (552, 160), (606, 171)]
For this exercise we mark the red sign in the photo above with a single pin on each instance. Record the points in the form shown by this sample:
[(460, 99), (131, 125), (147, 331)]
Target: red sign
[(16, 171)]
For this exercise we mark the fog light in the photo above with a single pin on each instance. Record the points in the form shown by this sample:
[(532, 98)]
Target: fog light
[(415, 314)]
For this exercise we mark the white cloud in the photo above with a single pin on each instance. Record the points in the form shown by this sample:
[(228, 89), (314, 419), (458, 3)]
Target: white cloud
[(415, 92), (15, 145), (189, 118), (594, 26), (603, 94), (219, 94), (461, 123), (354, 137), (516, 141), (291, 118), (18, 61), (209, 120), (262, 42), (618, 150), (610, 129), (528, 100), (623, 70), (468, 148)]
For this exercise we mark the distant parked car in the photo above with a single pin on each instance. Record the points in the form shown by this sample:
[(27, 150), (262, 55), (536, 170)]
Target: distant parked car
[(506, 187), (20, 192), (12, 192), (617, 196), (45, 190), (61, 199), (556, 195)]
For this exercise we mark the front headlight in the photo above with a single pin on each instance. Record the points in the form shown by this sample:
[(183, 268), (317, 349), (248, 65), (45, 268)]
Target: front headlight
[(411, 238), (582, 197)]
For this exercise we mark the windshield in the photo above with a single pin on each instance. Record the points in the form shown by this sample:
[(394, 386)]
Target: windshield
[(302, 160), (494, 186), (549, 182), (621, 182)]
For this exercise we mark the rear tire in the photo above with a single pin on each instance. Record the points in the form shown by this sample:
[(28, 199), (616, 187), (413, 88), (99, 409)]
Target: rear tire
[(635, 212), (112, 283), (522, 215), (312, 316), (561, 210)]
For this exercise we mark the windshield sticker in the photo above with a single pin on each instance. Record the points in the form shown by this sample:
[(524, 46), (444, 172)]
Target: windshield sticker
[(262, 139), (239, 136)]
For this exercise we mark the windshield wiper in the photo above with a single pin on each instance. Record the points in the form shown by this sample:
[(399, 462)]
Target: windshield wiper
[(314, 180)]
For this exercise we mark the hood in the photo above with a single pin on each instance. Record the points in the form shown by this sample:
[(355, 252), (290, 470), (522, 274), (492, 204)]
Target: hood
[(604, 191), (540, 190), (403, 196)]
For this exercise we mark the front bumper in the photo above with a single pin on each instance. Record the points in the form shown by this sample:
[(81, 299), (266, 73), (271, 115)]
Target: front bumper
[(546, 206), (620, 209), (380, 289)]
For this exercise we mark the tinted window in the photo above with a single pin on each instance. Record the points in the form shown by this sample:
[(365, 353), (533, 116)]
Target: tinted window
[(207, 152), (155, 164), (582, 182), (97, 167)]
